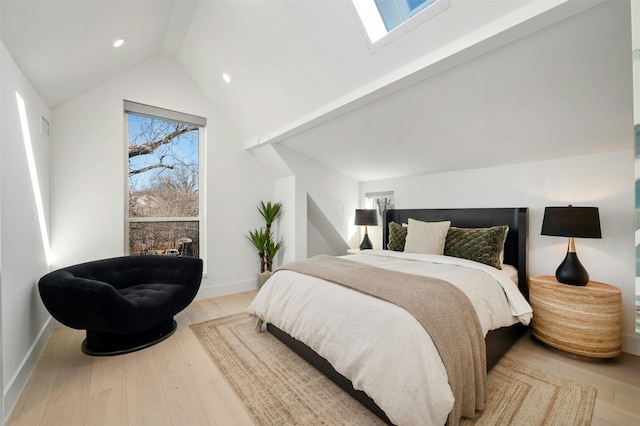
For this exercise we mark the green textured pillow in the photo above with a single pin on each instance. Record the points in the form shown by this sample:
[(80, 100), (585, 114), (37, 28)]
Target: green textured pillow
[(482, 245), (397, 236)]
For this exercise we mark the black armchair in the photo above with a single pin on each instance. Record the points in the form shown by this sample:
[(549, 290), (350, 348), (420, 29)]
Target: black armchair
[(124, 303)]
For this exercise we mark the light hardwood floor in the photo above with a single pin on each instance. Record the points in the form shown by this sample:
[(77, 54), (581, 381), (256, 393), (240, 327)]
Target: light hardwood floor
[(175, 383)]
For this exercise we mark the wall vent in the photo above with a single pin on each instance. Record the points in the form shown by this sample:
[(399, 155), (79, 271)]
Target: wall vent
[(44, 126)]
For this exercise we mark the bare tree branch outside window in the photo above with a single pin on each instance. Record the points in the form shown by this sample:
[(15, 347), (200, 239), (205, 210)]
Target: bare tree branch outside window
[(164, 184)]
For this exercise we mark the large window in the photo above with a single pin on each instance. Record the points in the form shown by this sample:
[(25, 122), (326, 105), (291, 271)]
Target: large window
[(164, 197)]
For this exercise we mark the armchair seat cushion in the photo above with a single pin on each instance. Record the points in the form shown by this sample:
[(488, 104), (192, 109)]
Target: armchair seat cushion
[(154, 297)]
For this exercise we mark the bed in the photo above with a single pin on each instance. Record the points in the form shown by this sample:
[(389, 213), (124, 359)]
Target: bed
[(387, 375)]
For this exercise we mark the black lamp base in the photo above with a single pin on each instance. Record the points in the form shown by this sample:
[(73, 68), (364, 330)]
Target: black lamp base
[(571, 271), (366, 243)]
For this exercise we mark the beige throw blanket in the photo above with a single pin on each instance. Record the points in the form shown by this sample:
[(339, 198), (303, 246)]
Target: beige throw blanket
[(443, 310)]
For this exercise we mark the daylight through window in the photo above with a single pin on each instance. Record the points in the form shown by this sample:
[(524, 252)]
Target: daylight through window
[(164, 181), (381, 201), (395, 12), (385, 20)]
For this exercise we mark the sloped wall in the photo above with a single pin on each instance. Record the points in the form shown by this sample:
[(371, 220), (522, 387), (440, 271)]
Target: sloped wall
[(322, 237)]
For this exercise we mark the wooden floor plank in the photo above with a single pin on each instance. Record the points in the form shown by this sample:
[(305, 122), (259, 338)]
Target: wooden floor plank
[(607, 414), (67, 405), (177, 384), (213, 308), (31, 405), (196, 313), (107, 404), (146, 399), (628, 402)]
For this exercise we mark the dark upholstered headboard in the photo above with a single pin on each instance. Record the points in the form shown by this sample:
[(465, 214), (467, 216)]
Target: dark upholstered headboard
[(515, 250)]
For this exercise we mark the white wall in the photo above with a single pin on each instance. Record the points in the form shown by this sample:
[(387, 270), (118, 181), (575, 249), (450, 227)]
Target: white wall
[(605, 181), (88, 163), (22, 257), (335, 194)]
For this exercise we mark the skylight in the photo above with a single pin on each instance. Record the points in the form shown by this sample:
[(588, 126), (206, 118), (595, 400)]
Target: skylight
[(385, 20)]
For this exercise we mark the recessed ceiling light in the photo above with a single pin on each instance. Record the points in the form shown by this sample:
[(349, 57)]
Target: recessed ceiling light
[(118, 43), (226, 78)]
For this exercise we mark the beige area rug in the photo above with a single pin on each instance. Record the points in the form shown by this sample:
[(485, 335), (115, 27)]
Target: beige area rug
[(521, 395), (277, 387)]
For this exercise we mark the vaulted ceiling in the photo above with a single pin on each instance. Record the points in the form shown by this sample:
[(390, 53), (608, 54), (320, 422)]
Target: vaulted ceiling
[(483, 83)]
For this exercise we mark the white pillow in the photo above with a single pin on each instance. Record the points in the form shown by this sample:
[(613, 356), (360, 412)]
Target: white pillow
[(426, 237), (504, 241)]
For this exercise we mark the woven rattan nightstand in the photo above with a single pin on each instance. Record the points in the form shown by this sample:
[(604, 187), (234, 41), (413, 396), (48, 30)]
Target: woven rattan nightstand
[(578, 320)]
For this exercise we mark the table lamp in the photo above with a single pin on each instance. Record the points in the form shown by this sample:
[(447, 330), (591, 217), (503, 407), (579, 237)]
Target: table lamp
[(366, 217), (572, 222)]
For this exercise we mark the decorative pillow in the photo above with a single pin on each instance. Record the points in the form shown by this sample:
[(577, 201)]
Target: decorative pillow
[(426, 237), (482, 245), (397, 236)]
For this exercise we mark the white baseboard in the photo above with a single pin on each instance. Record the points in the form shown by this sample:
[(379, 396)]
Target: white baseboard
[(19, 380), (631, 344), (224, 289)]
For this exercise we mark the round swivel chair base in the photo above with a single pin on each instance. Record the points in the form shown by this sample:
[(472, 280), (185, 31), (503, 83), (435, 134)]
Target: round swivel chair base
[(108, 344)]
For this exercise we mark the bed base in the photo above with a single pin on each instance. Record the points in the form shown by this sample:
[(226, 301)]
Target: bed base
[(497, 341)]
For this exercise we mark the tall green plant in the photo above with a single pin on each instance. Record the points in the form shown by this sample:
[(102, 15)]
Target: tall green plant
[(259, 238), (270, 212), (263, 239), (271, 248)]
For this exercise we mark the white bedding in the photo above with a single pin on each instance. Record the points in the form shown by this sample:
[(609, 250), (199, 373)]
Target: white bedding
[(379, 346)]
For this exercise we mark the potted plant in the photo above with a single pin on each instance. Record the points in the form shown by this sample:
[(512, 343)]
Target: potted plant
[(264, 241)]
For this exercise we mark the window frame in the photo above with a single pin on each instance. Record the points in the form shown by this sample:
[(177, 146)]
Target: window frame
[(130, 107), (371, 24)]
